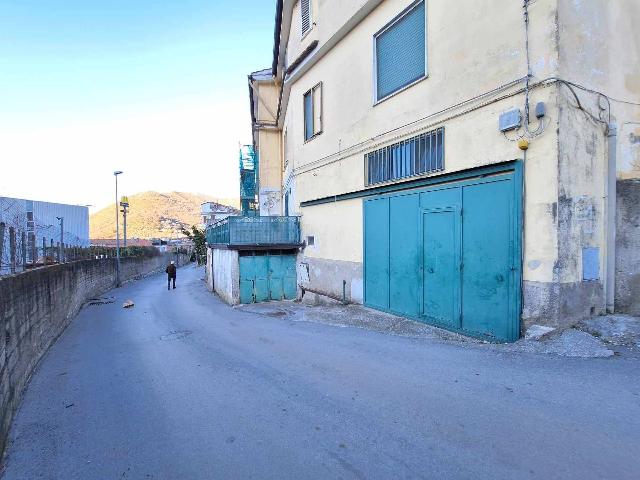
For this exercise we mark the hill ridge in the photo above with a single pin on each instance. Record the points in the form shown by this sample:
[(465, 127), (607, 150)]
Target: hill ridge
[(154, 214)]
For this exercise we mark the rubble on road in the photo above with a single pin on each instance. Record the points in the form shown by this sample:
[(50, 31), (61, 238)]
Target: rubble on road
[(618, 330), (537, 332), (128, 304)]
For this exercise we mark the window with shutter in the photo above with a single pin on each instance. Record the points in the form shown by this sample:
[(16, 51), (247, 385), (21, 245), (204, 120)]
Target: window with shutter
[(305, 12), (313, 112), (400, 52)]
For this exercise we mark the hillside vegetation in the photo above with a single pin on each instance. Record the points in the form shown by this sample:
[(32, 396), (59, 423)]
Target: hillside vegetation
[(153, 215)]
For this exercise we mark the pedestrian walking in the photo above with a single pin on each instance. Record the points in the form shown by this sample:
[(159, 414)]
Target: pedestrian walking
[(171, 275)]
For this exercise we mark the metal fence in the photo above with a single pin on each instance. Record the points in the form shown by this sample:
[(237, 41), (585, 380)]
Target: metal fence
[(255, 231), (20, 251)]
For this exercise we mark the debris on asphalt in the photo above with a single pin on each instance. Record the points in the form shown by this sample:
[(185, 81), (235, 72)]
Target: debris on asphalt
[(100, 301), (618, 330), (569, 343), (128, 304), (537, 332)]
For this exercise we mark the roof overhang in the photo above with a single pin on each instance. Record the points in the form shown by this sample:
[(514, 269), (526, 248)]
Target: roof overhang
[(302, 65)]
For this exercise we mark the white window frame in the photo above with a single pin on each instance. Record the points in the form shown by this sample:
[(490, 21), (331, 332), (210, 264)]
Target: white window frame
[(317, 132), (395, 20), (304, 33)]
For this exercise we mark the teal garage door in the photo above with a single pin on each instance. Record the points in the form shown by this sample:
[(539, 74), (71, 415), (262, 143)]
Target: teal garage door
[(448, 255), (267, 276)]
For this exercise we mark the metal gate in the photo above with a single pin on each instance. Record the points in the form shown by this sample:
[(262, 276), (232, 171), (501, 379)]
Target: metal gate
[(448, 255), (266, 275)]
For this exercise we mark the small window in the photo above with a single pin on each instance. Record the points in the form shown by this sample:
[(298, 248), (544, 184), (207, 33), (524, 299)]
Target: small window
[(311, 241), (313, 112), (400, 53), (305, 14)]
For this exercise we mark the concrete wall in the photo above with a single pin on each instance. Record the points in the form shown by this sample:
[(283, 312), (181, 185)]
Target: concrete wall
[(225, 270), (267, 142), (208, 270), (35, 308), (599, 48), (628, 247)]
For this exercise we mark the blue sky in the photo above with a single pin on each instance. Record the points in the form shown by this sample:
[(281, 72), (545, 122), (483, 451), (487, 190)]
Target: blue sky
[(155, 88)]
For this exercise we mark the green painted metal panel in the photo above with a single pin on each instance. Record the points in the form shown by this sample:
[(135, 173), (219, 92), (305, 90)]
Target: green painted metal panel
[(441, 267), (247, 279), (469, 234), (290, 281), (404, 254), (267, 277), (487, 248), (246, 291), (276, 277), (376, 253), (261, 286)]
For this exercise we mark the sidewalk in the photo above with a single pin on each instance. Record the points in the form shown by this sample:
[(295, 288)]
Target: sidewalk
[(598, 337)]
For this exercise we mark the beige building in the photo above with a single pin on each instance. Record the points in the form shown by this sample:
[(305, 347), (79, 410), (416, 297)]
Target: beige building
[(475, 168)]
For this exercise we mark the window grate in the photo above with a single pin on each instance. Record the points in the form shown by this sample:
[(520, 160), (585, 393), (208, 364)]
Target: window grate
[(414, 156), (305, 11)]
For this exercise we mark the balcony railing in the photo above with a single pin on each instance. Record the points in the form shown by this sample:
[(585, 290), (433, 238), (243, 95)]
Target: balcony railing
[(258, 231)]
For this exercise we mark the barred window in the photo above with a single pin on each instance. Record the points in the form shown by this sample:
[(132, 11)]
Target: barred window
[(414, 156)]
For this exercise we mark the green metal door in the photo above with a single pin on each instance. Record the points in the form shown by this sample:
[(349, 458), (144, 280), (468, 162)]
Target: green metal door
[(404, 254), (487, 250), (247, 279), (261, 284), (276, 277), (441, 266), (290, 282), (376, 254), (452, 258), (265, 276)]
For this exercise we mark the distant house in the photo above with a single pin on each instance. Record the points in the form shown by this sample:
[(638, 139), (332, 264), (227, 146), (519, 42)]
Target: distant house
[(212, 212)]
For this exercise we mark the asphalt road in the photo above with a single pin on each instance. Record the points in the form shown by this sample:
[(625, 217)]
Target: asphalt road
[(184, 387)]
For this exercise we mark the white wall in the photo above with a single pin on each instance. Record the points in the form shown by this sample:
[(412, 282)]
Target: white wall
[(226, 275)]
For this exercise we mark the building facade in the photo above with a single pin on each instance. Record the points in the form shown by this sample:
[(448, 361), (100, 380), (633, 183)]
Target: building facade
[(482, 178), (213, 212), (41, 225)]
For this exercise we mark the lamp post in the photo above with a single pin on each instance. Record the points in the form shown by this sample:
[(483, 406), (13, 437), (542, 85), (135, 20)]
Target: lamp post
[(124, 203), (115, 174), (61, 246)]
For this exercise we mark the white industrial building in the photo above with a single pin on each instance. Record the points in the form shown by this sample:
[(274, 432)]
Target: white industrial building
[(40, 223)]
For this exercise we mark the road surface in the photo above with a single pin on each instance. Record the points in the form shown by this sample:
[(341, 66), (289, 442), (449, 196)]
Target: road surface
[(182, 386)]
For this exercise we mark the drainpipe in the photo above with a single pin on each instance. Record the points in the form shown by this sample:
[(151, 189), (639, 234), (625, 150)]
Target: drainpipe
[(612, 134)]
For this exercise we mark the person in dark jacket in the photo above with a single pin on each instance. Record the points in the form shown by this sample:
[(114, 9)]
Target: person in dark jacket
[(171, 275)]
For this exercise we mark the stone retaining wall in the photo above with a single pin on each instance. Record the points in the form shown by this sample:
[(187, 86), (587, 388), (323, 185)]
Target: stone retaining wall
[(35, 308)]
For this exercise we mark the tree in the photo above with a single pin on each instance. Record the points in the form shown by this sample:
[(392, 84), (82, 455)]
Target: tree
[(199, 239)]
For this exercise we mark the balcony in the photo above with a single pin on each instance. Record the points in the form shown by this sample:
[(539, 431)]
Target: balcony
[(239, 232)]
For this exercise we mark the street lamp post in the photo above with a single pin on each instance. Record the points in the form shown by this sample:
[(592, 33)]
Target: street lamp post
[(115, 174), (124, 203), (61, 246)]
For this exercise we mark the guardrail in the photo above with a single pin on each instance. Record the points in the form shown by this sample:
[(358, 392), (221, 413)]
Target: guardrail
[(255, 231)]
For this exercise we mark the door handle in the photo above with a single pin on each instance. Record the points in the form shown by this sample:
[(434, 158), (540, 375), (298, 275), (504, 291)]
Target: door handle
[(430, 269), (499, 278)]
